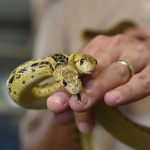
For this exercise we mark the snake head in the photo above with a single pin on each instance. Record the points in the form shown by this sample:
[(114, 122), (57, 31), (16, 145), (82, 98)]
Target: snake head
[(68, 77), (85, 64)]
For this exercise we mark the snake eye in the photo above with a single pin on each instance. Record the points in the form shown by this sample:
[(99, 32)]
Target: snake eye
[(82, 61), (64, 83)]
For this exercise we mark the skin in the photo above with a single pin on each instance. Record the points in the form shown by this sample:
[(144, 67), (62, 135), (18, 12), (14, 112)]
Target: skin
[(112, 79)]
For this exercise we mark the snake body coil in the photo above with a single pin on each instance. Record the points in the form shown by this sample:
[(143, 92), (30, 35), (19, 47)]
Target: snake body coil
[(23, 82)]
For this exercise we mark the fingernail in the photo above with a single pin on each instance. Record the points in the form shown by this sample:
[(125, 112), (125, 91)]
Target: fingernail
[(84, 99), (85, 127), (114, 94), (58, 98)]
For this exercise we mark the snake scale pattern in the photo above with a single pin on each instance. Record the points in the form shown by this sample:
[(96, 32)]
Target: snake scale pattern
[(23, 82), (23, 87)]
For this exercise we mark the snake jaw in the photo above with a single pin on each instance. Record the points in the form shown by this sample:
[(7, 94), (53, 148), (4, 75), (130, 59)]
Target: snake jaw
[(74, 87), (89, 72)]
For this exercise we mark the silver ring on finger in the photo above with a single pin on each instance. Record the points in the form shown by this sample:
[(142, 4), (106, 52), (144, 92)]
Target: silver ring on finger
[(128, 65)]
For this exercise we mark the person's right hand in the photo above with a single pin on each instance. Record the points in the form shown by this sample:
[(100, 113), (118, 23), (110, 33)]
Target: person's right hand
[(111, 80)]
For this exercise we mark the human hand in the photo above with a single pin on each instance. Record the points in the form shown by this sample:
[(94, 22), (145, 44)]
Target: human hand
[(111, 81)]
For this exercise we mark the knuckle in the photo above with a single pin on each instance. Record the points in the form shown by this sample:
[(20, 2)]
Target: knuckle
[(129, 90), (98, 38), (142, 47), (129, 30), (119, 38), (119, 71), (144, 81)]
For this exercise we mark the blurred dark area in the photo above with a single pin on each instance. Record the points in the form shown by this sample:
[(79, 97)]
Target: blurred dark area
[(15, 27), (15, 37)]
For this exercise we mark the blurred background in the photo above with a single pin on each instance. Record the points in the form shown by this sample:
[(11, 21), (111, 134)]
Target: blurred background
[(19, 20), (15, 39)]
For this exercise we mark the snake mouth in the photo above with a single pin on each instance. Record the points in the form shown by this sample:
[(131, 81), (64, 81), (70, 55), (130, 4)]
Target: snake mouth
[(89, 72)]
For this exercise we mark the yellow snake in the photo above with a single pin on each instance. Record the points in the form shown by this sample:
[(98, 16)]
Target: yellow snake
[(23, 82), (23, 87)]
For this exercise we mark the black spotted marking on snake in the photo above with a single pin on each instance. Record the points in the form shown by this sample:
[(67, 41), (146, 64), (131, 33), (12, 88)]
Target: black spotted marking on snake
[(18, 77), (9, 89), (13, 71), (50, 66), (32, 70), (35, 64), (44, 62), (57, 64), (41, 66), (11, 80), (23, 70)]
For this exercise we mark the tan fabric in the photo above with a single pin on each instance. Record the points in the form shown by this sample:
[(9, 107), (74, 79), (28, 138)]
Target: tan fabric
[(64, 21), (38, 8), (60, 31), (39, 131)]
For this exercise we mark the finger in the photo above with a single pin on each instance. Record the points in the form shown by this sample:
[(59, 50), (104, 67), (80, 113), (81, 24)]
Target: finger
[(100, 50), (135, 58), (85, 121), (64, 118), (94, 90), (110, 78), (137, 88), (140, 33), (97, 43), (113, 49), (59, 101)]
